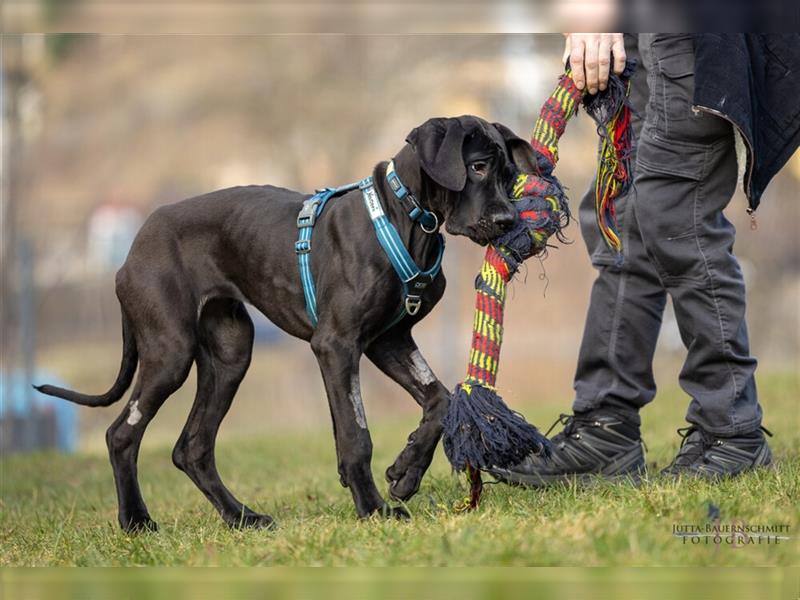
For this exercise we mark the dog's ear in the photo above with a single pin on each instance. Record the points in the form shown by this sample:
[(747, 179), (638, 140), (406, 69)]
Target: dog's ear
[(519, 150), (438, 144)]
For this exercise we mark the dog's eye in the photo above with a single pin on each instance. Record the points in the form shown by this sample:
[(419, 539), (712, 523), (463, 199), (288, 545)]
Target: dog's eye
[(479, 167)]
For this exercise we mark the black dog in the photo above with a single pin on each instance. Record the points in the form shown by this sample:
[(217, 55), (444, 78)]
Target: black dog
[(195, 262)]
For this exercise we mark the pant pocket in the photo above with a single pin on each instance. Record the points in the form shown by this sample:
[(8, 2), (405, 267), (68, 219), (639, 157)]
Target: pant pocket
[(668, 189), (669, 157), (677, 87), (675, 95)]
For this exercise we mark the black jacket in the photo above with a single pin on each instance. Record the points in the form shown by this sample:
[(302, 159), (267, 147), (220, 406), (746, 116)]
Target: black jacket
[(753, 81)]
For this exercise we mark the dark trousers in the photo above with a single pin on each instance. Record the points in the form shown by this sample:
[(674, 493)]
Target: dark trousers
[(676, 241)]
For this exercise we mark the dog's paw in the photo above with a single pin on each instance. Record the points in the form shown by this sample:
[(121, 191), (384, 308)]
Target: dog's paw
[(387, 512), (137, 525), (251, 520), (394, 512), (403, 484)]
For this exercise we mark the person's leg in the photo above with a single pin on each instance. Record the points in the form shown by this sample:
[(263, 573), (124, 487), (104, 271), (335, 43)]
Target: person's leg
[(675, 236), (686, 175), (627, 301)]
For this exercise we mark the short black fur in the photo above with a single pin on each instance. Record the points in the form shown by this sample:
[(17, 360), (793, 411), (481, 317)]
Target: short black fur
[(194, 263)]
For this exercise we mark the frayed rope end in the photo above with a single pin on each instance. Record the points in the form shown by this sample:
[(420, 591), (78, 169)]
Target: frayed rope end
[(481, 432)]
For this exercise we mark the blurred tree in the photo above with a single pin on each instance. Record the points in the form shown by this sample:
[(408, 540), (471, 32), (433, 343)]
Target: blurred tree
[(58, 44)]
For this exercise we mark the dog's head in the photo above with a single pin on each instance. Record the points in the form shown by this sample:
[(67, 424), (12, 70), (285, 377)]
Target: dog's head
[(471, 164)]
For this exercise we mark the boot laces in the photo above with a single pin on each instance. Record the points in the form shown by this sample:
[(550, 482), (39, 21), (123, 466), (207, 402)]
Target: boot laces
[(707, 438), (699, 448), (570, 423), (705, 442)]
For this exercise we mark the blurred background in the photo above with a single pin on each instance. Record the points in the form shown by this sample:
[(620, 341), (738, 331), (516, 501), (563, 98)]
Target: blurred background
[(99, 130)]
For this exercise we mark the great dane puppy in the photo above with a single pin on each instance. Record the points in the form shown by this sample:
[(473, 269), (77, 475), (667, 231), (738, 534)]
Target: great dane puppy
[(194, 263)]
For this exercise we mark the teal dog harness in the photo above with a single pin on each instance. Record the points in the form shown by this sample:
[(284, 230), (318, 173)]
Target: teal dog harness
[(414, 279)]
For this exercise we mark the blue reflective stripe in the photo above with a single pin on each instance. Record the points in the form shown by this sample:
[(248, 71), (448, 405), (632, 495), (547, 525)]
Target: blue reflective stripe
[(303, 248), (389, 245), (309, 291), (390, 240), (388, 237)]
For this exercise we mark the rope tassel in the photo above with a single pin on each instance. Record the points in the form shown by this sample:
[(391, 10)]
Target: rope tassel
[(611, 111), (480, 431)]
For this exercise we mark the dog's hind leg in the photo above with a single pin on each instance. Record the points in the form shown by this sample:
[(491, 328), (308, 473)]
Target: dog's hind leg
[(165, 359), (225, 344), (338, 360), (396, 354)]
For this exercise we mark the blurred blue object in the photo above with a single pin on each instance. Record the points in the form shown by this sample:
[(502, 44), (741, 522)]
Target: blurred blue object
[(30, 420), (266, 333), (111, 231)]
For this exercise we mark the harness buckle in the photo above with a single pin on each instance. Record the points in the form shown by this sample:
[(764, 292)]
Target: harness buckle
[(413, 304), (400, 191), (308, 213), (302, 246)]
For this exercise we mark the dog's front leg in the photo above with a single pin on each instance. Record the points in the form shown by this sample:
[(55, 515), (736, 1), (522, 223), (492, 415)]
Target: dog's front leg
[(396, 354), (338, 360)]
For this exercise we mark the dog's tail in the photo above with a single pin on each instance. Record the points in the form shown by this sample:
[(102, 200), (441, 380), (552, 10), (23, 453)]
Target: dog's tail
[(130, 358)]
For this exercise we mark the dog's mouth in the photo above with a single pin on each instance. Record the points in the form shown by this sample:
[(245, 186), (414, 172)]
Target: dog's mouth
[(481, 233)]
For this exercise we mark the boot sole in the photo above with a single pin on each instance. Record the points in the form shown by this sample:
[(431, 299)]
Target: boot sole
[(627, 467)]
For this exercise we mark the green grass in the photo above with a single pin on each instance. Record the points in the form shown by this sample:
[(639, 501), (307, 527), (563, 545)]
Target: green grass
[(61, 509)]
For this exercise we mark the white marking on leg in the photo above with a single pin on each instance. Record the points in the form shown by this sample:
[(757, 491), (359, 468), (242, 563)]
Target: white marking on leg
[(355, 400), (203, 299), (420, 369), (135, 415)]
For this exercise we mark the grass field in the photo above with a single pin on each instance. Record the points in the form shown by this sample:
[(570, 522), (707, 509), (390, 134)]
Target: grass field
[(61, 510)]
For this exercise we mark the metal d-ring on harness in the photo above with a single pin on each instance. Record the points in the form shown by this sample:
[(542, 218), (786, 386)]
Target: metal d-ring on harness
[(414, 279)]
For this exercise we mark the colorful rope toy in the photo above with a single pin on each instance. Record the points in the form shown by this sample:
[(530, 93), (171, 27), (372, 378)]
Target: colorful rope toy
[(480, 431)]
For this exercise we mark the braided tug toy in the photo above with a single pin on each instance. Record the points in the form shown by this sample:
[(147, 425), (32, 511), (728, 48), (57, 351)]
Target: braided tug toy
[(480, 431)]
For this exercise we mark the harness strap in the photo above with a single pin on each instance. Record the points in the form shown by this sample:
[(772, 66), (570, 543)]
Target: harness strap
[(310, 211), (426, 219), (414, 279)]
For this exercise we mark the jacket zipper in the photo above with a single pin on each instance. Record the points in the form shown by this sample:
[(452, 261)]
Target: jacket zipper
[(696, 108)]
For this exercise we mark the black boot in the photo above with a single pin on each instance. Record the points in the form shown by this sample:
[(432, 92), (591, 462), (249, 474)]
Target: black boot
[(707, 455), (599, 442)]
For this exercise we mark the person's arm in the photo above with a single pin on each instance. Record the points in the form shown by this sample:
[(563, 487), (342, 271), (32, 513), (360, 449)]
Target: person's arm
[(590, 55)]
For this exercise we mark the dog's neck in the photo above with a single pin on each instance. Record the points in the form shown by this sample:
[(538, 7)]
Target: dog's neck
[(421, 245)]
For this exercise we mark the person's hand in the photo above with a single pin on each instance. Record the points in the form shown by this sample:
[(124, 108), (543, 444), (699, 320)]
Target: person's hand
[(590, 55)]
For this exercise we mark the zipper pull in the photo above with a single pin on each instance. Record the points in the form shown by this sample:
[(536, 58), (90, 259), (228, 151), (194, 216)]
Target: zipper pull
[(753, 220)]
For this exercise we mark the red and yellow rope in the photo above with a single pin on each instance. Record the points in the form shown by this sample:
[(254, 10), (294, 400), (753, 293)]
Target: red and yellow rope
[(480, 431)]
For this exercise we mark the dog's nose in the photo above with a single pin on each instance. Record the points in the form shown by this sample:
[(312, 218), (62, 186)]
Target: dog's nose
[(504, 220)]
